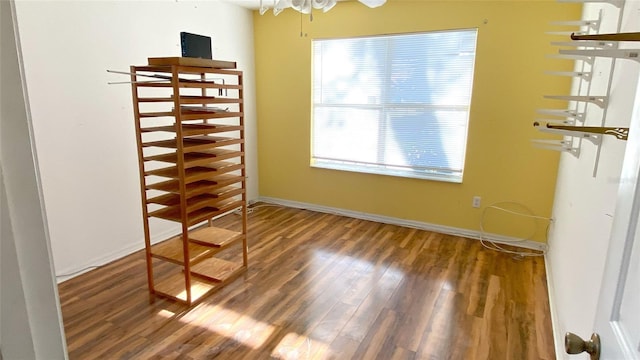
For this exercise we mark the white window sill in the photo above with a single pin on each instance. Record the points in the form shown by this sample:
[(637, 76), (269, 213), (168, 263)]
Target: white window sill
[(434, 176)]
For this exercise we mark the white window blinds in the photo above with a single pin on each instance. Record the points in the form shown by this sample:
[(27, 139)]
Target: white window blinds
[(394, 105)]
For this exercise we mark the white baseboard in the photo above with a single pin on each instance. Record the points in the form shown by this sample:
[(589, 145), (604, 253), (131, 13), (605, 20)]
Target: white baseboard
[(500, 239), (555, 325), (91, 264), (115, 255)]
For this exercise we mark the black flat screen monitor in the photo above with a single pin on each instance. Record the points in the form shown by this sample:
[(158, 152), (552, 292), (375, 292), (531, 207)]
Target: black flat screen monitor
[(195, 46)]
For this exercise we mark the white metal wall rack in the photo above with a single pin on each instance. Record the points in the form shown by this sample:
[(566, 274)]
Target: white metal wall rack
[(587, 45)]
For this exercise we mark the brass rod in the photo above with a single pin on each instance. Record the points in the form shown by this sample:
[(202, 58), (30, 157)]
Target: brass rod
[(621, 133), (632, 36)]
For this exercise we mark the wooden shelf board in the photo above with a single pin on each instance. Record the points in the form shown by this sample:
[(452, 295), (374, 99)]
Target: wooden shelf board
[(192, 62), (215, 269), (155, 84), (170, 172), (171, 250), (196, 143), (186, 99), (210, 200), (197, 158), (197, 115), (208, 100), (202, 201), (219, 142), (199, 201), (155, 99), (196, 173), (203, 129), (166, 200), (192, 84), (173, 213), (208, 85), (196, 129), (192, 115), (229, 191), (169, 157), (174, 287), (170, 144), (188, 70), (213, 236), (197, 187), (166, 128), (225, 166), (157, 114)]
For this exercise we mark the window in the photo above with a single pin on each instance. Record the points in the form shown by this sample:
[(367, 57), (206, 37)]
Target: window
[(393, 105)]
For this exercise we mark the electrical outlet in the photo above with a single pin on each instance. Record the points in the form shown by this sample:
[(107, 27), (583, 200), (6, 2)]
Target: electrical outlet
[(476, 201)]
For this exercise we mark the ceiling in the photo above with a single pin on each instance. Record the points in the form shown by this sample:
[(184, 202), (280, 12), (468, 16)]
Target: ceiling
[(250, 4)]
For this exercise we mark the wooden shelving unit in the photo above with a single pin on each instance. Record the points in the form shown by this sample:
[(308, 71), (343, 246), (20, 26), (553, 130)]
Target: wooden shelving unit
[(190, 133)]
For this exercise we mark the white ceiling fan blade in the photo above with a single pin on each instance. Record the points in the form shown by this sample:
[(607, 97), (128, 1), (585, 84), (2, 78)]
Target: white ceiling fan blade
[(306, 8), (319, 4), (281, 5), (373, 3), (263, 8), (303, 6), (329, 6)]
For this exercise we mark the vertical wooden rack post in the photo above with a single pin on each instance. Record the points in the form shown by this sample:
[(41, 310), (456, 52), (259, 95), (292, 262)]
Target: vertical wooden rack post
[(190, 133)]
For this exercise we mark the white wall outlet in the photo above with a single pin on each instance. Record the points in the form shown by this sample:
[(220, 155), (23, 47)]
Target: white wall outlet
[(476, 201)]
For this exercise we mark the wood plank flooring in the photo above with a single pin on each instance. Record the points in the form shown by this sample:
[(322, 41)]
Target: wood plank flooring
[(322, 286)]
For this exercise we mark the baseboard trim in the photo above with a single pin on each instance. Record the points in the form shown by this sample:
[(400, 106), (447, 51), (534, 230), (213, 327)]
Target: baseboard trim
[(103, 260), (113, 256), (555, 324), (500, 239)]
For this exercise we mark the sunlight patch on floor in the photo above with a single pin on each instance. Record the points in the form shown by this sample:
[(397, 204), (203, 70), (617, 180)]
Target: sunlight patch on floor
[(298, 347), (228, 323)]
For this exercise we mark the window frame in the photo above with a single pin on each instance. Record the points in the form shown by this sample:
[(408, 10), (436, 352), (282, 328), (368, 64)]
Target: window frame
[(408, 171)]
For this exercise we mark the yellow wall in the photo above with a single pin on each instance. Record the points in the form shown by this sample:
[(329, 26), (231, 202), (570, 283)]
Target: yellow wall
[(501, 163)]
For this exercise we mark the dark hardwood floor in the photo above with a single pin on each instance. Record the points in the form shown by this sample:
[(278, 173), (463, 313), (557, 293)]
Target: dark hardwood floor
[(322, 286)]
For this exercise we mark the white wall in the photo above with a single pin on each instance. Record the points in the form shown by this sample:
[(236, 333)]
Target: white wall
[(30, 325), (84, 128), (584, 205), (16, 339)]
